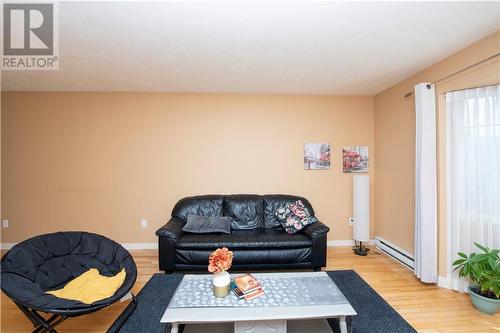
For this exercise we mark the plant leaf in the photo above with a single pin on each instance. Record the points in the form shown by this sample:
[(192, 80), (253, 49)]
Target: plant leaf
[(458, 262), (465, 271), (477, 257), (484, 249), (486, 286), (492, 262)]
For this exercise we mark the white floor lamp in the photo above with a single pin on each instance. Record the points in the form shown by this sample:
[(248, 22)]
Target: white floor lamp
[(361, 212)]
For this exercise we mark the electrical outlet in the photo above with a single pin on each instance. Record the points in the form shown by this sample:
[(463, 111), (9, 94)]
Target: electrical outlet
[(5, 223), (144, 223), (350, 221)]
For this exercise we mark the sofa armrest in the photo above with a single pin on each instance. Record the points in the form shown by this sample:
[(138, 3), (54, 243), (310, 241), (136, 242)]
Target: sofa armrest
[(172, 230), (315, 230)]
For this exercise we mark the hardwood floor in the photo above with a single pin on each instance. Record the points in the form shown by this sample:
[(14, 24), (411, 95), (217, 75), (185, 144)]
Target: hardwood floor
[(427, 308)]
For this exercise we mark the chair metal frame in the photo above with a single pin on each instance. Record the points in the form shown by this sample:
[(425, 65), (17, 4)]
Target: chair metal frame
[(43, 325)]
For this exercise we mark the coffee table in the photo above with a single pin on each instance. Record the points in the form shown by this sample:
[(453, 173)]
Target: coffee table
[(293, 302)]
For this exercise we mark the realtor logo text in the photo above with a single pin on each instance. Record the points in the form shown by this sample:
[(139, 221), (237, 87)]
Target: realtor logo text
[(30, 36)]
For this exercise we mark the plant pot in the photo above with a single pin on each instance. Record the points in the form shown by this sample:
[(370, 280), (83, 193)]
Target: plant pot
[(221, 283), (484, 304)]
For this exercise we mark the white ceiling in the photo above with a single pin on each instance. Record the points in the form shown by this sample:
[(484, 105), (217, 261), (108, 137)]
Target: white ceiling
[(341, 48)]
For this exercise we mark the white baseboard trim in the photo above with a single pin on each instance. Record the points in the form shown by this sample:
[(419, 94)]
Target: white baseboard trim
[(345, 242), (6, 246), (444, 282), (154, 246), (140, 246), (128, 246)]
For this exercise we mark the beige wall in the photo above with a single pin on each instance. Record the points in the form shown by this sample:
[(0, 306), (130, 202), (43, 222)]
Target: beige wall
[(395, 141), (102, 161)]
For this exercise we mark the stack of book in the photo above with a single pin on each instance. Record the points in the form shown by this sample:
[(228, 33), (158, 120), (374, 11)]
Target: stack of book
[(247, 287)]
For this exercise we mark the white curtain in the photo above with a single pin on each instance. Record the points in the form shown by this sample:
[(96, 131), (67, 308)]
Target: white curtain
[(473, 171), (425, 184)]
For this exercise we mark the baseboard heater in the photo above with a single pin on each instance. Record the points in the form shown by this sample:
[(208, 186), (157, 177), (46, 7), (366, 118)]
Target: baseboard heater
[(404, 257)]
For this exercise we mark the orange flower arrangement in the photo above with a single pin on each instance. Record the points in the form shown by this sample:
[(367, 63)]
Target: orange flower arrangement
[(220, 260)]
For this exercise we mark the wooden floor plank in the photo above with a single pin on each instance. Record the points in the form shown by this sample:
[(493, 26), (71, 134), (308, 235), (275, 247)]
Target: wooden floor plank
[(427, 308)]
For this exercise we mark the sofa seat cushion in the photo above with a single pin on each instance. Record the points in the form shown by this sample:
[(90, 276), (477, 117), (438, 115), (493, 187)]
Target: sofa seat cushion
[(247, 257), (244, 239)]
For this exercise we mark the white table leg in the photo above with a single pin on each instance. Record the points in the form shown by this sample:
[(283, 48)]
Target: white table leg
[(175, 328), (342, 324)]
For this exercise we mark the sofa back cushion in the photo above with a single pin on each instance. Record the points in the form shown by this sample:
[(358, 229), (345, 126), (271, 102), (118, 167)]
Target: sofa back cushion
[(202, 205), (273, 202), (247, 211)]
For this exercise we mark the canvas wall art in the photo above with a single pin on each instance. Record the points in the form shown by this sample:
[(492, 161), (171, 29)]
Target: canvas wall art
[(316, 156), (355, 159)]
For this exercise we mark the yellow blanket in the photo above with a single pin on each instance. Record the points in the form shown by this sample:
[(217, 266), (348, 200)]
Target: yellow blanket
[(90, 287)]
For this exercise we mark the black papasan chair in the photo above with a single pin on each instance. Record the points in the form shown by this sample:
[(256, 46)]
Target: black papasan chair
[(48, 262)]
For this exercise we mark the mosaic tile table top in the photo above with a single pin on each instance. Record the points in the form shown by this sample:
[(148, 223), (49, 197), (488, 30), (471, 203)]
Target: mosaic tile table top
[(281, 290)]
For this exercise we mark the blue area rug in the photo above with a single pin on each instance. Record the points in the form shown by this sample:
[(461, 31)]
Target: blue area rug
[(374, 314)]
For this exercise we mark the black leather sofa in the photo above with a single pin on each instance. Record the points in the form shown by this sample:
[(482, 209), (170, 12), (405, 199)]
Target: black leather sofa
[(257, 239)]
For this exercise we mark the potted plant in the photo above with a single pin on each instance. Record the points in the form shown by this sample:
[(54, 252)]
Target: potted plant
[(218, 264), (483, 269)]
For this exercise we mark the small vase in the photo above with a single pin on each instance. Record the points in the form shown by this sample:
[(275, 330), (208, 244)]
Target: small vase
[(221, 283)]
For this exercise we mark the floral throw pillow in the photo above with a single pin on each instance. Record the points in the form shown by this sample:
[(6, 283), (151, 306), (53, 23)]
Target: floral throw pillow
[(294, 217)]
